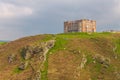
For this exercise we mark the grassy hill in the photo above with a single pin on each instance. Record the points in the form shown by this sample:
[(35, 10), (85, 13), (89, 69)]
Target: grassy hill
[(71, 56)]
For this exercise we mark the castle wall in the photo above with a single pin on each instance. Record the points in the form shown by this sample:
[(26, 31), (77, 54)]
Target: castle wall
[(84, 25)]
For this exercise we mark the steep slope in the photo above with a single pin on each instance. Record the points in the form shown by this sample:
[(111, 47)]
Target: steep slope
[(73, 56)]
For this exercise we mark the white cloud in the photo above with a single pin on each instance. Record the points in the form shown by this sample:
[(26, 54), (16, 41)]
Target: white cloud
[(117, 7), (8, 10)]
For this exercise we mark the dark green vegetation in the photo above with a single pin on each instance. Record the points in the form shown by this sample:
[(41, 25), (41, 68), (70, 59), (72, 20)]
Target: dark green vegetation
[(75, 56)]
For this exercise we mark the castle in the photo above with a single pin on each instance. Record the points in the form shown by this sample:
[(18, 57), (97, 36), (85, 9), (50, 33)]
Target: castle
[(83, 25)]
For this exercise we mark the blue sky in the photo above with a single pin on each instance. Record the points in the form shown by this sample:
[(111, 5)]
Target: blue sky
[(19, 18)]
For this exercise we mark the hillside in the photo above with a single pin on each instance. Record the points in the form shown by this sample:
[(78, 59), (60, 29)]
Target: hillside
[(72, 56)]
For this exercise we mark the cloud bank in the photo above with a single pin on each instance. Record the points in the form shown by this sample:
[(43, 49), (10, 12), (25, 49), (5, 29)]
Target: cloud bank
[(8, 10), (27, 17)]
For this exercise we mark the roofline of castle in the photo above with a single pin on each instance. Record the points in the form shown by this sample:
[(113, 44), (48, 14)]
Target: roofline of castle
[(80, 20)]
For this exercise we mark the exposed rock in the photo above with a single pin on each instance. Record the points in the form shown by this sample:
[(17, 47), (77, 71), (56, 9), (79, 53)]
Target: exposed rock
[(23, 51), (29, 51), (105, 63), (28, 55), (22, 66), (11, 58), (117, 75), (41, 50), (38, 76), (102, 60), (114, 50), (37, 50), (50, 44), (83, 62), (100, 78)]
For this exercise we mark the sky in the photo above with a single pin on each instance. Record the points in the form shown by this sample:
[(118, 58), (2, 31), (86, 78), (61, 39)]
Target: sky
[(20, 18)]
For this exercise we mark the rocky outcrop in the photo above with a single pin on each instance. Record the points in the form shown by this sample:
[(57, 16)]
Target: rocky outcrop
[(29, 52), (105, 64), (102, 60), (83, 62), (11, 58)]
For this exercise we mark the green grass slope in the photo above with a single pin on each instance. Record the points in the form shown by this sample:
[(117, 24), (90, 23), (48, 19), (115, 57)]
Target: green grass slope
[(75, 56), (1, 43)]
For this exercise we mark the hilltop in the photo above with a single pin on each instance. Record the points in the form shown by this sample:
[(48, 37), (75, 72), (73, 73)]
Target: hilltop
[(70, 56)]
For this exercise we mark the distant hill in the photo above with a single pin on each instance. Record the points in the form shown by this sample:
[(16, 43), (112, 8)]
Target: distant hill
[(70, 56), (4, 41)]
